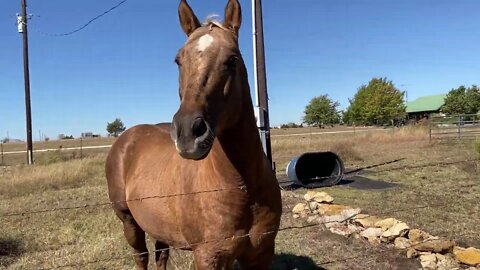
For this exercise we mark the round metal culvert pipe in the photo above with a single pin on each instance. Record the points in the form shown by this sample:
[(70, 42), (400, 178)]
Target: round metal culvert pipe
[(316, 169)]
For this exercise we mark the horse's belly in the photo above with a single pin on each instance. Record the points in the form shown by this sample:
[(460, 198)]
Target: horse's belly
[(157, 218)]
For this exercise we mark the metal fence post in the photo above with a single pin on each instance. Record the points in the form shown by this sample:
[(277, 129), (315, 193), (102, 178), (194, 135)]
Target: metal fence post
[(81, 148), (430, 129), (458, 125)]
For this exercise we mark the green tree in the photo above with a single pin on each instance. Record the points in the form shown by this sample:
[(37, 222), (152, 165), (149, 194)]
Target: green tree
[(472, 100), (116, 127), (455, 101), (377, 103), (321, 111), (462, 100)]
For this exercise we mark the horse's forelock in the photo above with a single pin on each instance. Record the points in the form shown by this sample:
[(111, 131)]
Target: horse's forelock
[(213, 21)]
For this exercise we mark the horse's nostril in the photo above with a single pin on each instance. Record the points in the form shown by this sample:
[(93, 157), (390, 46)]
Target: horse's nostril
[(199, 127)]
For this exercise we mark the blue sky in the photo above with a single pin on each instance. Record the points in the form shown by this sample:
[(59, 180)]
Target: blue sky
[(122, 64)]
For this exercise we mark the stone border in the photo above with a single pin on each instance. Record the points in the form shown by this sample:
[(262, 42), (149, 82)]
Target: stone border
[(433, 252)]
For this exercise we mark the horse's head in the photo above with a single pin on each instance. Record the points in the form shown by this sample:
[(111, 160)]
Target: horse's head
[(211, 69)]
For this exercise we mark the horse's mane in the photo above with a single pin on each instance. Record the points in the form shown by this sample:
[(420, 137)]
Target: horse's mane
[(213, 21)]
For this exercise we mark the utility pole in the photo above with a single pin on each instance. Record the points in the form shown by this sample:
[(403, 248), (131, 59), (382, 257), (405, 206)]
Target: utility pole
[(22, 28), (261, 94)]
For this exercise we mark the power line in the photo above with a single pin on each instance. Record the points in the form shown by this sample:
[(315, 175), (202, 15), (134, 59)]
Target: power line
[(86, 24)]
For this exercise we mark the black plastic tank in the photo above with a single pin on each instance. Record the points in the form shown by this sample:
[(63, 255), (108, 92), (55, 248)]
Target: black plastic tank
[(316, 169)]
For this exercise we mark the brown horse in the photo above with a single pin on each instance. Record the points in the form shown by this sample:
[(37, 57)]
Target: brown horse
[(212, 144)]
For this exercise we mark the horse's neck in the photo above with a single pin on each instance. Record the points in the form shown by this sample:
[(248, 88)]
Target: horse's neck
[(239, 149)]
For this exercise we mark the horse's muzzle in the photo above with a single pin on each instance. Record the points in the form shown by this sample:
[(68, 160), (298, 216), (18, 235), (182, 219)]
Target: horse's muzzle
[(192, 135)]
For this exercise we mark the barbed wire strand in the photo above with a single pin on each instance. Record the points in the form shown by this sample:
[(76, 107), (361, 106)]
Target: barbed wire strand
[(86, 24), (194, 245), (402, 249), (359, 170), (243, 188)]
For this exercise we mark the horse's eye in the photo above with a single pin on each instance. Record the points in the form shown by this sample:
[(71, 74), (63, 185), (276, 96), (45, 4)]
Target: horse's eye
[(232, 61)]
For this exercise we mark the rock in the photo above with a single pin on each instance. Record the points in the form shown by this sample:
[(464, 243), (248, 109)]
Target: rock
[(469, 256), (417, 236), (428, 261), (312, 219), (313, 206), (401, 243), (319, 197), (330, 221), (299, 208), (366, 221), (351, 213), (296, 216), (446, 262), (371, 232), (392, 228), (335, 209), (440, 257), (374, 240), (412, 253), (309, 195), (343, 229), (386, 224), (435, 245), (323, 197)]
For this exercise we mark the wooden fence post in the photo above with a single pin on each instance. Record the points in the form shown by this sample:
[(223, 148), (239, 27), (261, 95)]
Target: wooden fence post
[(1, 146)]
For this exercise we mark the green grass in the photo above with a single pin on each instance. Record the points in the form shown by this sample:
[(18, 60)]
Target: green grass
[(95, 234)]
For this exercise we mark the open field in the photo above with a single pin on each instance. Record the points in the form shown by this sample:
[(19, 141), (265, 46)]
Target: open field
[(93, 234), (14, 153), (65, 149)]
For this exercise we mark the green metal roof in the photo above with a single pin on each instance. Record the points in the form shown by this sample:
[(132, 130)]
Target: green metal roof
[(426, 104)]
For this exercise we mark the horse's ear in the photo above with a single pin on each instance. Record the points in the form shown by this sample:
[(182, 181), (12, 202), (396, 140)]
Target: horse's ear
[(233, 16), (188, 20)]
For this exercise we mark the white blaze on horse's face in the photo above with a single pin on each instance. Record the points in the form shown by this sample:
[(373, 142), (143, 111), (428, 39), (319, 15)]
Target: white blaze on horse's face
[(204, 42)]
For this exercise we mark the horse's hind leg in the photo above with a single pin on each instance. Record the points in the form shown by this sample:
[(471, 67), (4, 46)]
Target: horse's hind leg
[(135, 237), (161, 255)]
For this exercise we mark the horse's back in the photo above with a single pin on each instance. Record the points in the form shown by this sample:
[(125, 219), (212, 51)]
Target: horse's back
[(124, 152)]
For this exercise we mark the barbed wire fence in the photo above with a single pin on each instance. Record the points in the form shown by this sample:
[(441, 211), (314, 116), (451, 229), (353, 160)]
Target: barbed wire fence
[(286, 210), (237, 237), (227, 189)]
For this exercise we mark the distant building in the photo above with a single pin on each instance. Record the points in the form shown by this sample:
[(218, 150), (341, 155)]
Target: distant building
[(422, 107), (87, 135)]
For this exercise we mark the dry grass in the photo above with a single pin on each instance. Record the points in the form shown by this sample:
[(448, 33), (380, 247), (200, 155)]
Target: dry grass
[(94, 234), (23, 180), (58, 154)]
